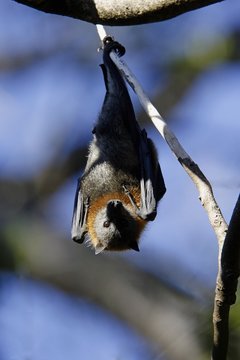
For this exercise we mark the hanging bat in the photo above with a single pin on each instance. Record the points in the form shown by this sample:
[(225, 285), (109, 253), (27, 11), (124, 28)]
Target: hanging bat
[(122, 182)]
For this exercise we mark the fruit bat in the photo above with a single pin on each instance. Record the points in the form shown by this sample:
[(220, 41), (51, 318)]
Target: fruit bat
[(122, 182)]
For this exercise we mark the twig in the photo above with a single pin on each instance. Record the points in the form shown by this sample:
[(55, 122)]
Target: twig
[(229, 249), (204, 187)]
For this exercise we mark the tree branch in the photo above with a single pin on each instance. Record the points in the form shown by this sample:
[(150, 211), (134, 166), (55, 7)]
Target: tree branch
[(229, 245), (206, 197), (122, 12), (226, 287)]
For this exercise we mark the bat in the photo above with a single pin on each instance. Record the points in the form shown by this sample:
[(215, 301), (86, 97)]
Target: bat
[(122, 182)]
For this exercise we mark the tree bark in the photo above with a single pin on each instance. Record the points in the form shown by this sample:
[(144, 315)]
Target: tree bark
[(226, 287), (121, 12), (229, 245)]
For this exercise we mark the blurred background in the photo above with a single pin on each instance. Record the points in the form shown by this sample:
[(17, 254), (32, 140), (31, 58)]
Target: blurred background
[(57, 299)]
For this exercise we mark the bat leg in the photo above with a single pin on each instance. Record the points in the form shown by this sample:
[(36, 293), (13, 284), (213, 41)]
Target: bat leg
[(129, 195)]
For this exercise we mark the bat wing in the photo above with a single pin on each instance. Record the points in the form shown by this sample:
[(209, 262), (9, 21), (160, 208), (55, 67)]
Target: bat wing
[(79, 226), (151, 183)]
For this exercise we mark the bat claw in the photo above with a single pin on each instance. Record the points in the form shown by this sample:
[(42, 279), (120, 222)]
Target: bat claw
[(109, 45)]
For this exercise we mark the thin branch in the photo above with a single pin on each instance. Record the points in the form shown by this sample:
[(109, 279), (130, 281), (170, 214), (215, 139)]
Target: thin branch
[(226, 287), (204, 187), (121, 12), (229, 245)]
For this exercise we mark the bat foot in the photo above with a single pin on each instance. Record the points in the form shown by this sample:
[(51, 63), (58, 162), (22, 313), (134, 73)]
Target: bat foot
[(109, 45)]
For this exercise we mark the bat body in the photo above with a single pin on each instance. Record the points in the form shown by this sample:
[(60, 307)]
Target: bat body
[(122, 182)]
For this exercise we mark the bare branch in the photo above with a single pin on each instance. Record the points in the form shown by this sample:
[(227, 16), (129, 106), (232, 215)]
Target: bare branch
[(204, 187), (229, 245), (121, 12), (226, 287)]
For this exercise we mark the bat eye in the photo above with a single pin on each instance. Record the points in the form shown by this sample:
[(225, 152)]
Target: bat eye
[(106, 224)]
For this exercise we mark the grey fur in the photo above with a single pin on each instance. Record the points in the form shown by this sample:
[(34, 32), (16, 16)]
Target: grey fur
[(120, 156)]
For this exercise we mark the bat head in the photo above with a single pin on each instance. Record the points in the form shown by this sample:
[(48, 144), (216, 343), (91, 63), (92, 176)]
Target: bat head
[(115, 226)]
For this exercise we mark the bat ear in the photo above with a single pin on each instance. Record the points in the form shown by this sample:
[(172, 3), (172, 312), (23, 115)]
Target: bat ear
[(134, 245), (99, 249)]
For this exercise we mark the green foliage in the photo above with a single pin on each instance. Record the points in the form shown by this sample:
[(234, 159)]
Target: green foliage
[(202, 57)]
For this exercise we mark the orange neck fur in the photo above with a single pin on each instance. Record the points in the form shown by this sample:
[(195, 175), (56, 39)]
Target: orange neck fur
[(103, 200)]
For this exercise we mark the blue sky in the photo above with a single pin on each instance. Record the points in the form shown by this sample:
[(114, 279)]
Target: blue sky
[(53, 103)]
